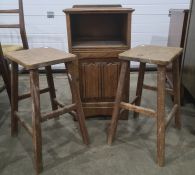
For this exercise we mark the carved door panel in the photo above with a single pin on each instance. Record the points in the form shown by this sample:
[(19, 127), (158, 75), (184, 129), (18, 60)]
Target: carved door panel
[(110, 75), (90, 81), (99, 79)]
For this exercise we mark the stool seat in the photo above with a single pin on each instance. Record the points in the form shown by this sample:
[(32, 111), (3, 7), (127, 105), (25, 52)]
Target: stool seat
[(151, 54), (39, 57)]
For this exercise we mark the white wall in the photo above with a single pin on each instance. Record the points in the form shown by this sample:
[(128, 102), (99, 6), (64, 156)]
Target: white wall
[(149, 26)]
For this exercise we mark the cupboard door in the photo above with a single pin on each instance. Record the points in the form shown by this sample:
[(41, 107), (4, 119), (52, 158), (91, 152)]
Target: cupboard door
[(99, 79), (110, 75), (90, 81)]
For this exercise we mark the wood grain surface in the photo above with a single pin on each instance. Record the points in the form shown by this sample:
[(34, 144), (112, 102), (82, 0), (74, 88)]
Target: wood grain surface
[(39, 57), (152, 54)]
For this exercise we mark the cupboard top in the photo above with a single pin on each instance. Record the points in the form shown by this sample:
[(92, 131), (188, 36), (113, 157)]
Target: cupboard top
[(98, 10)]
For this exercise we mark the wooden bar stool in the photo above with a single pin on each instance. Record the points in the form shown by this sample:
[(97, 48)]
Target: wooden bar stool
[(160, 56), (31, 60)]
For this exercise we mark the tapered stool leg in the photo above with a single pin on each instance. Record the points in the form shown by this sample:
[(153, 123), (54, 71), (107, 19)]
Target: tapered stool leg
[(51, 86), (116, 110), (73, 80), (139, 87), (161, 115), (73, 113), (176, 91), (36, 120), (14, 99)]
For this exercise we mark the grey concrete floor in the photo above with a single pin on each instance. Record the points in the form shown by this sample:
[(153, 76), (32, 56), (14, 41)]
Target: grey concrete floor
[(132, 153)]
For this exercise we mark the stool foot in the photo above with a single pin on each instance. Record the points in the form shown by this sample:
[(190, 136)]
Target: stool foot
[(83, 129)]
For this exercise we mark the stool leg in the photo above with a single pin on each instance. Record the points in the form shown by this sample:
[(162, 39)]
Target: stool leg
[(14, 98), (5, 72), (36, 122), (73, 80), (51, 87), (116, 109), (161, 115), (139, 87), (176, 91), (74, 114)]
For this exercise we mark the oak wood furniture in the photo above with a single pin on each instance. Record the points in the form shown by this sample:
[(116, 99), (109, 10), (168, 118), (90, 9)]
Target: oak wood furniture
[(160, 56), (176, 37), (31, 60), (5, 72), (97, 34), (188, 71)]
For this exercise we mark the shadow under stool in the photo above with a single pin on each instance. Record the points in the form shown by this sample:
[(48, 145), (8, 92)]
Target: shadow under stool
[(31, 60), (161, 57)]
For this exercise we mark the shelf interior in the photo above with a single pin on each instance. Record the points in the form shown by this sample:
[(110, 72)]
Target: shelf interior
[(94, 44), (99, 30)]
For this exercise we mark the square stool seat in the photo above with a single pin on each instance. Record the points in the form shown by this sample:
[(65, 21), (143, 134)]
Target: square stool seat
[(160, 55), (39, 57)]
